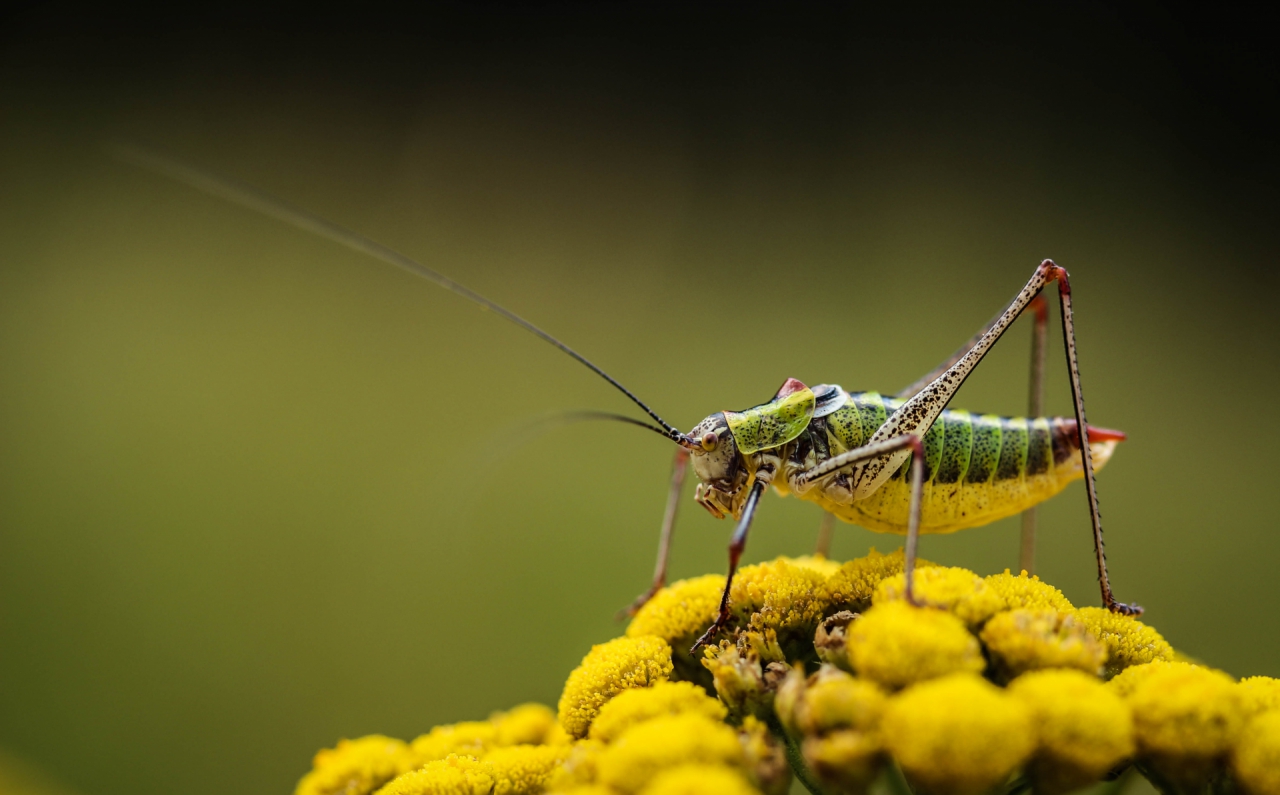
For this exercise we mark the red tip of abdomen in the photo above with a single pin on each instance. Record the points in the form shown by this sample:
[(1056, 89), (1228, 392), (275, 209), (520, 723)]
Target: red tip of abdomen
[(1097, 434)]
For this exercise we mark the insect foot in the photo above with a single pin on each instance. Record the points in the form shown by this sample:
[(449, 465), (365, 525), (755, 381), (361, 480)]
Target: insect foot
[(1126, 609), (1002, 685)]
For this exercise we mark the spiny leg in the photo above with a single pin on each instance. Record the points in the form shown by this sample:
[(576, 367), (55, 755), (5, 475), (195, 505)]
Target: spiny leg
[(1035, 407), (825, 531), (1086, 455), (914, 445), (736, 545), (678, 469), (1027, 545), (918, 413)]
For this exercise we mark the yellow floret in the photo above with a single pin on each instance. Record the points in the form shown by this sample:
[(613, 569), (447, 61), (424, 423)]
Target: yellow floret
[(356, 767), (1256, 758), (845, 761), (1185, 718), (960, 591), (895, 644), (837, 718), (470, 738), (453, 775), (958, 735), (583, 789), (681, 611), (1030, 592), (854, 583), (607, 670), (527, 724), (1128, 640), (744, 672), (824, 566), (764, 757), (700, 780), (1084, 728), (1124, 683), (1259, 694), (579, 766), (665, 698), (524, 769), (829, 700), (1028, 640), (631, 762), (780, 595)]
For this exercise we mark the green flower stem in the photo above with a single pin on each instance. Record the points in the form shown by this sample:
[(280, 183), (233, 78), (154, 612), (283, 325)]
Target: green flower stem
[(794, 757), (1121, 783), (895, 781)]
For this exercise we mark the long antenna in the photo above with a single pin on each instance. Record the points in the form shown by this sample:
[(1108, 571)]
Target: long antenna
[(254, 199)]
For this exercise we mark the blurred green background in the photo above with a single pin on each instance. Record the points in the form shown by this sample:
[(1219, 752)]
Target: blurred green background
[(257, 492)]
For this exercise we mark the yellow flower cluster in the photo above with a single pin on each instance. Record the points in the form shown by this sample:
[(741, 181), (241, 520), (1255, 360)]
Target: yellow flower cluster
[(991, 684), (512, 753)]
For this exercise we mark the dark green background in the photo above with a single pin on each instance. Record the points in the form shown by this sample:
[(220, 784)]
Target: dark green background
[(258, 492)]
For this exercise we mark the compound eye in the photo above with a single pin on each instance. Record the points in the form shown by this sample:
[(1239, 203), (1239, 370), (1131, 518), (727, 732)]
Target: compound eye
[(709, 441)]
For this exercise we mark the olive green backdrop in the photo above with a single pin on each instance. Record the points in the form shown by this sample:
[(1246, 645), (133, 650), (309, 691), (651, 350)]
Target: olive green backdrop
[(258, 492)]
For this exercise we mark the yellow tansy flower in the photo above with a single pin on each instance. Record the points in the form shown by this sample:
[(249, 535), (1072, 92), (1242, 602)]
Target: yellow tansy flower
[(764, 757), (681, 611), (356, 767), (1030, 592), (747, 671), (524, 769), (781, 596), (700, 780), (531, 724), (665, 698), (607, 670), (1259, 694), (895, 644), (468, 738), (1128, 640), (1084, 728), (1028, 640), (678, 614), (831, 638), (829, 700), (631, 761), (824, 566), (960, 591), (579, 766), (583, 789), (1256, 758), (1186, 719), (838, 720), (1124, 683), (852, 585), (453, 775), (958, 735)]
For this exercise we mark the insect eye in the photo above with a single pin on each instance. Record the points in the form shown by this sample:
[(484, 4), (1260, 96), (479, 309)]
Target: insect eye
[(709, 441)]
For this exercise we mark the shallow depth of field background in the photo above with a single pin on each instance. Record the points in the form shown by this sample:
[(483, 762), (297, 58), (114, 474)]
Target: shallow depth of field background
[(258, 492)]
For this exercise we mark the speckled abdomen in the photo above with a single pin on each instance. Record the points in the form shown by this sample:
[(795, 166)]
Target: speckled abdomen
[(977, 468)]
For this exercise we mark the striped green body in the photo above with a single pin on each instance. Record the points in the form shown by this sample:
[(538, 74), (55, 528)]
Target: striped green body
[(977, 468)]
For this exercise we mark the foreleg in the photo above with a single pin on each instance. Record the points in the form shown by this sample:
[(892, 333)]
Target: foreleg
[(736, 545), (678, 469)]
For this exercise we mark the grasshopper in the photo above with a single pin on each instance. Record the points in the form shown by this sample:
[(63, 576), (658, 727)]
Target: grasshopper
[(903, 464)]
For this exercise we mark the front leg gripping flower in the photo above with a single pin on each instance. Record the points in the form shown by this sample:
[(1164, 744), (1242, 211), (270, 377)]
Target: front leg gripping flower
[(998, 686)]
